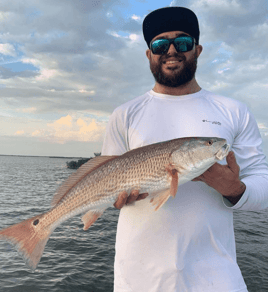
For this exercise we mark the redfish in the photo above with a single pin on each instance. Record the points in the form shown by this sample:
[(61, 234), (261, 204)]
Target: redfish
[(157, 169)]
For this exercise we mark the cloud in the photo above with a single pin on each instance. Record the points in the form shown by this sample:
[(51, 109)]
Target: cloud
[(81, 62), (87, 66), (76, 127), (84, 58), (21, 132), (27, 110), (68, 129), (231, 21), (136, 17), (8, 145), (36, 133), (84, 128), (7, 49), (226, 7), (234, 60), (62, 122), (262, 127), (73, 51)]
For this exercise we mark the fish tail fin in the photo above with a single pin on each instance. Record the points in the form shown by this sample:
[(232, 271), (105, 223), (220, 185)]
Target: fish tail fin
[(29, 238)]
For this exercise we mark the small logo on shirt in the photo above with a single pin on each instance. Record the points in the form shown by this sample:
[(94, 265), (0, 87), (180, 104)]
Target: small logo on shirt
[(212, 122)]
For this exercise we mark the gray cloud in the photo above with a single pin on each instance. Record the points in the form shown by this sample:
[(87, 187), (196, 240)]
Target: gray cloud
[(8, 73), (240, 27), (75, 39), (87, 63)]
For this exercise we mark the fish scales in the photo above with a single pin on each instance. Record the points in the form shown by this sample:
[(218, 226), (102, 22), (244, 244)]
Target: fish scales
[(130, 172), (106, 183), (156, 169)]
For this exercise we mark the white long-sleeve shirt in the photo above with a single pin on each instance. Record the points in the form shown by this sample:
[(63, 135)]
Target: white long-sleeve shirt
[(188, 245)]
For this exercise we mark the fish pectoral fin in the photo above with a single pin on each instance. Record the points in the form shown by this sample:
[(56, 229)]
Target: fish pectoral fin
[(160, 199), (90, 217), (174, 179)]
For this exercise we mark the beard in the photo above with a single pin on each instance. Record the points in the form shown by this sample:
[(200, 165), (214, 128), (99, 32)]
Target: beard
[(176, 77)]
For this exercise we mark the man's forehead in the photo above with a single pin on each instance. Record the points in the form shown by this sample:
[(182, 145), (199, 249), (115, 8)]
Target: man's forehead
[(170, 34)]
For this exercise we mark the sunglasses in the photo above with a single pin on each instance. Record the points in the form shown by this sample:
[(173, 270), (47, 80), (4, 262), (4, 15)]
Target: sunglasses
[(181, 44)]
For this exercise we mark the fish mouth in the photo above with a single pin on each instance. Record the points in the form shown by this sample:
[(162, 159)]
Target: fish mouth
[(222, 153)]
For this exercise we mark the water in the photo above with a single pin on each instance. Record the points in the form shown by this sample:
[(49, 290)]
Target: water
[(77, 260), (74, 259)]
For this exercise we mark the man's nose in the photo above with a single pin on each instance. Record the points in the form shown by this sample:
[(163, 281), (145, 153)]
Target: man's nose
[(172, 49)]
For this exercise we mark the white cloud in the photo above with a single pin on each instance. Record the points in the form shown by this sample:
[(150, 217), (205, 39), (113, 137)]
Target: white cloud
[(8, 50), (3, 16), (20, 132), (136, 18), (35, 62), (134, 37), (62, 122), (36, 133), (91, 58), (68, 129), (262, 126), (27, 110), (72, 127), (228, 7)]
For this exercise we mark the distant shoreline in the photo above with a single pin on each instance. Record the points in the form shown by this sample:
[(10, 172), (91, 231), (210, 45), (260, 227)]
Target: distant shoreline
[(63, 157)]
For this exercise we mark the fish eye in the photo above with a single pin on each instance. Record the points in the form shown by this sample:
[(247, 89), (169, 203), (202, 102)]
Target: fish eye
[(35, 222), (209, 143)]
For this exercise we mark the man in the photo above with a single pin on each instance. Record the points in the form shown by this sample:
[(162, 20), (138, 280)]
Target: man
[(188, 244)]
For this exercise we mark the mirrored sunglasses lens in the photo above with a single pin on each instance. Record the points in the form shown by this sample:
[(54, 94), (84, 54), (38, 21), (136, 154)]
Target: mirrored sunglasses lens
[(184, 44), (160, 46)]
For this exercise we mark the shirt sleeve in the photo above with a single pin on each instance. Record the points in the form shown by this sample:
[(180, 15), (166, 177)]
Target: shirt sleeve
[(115, 139), (253, 165)]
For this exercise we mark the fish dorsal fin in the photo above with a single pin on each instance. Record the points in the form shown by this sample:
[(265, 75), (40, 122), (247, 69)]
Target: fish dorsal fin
[(76, 177)]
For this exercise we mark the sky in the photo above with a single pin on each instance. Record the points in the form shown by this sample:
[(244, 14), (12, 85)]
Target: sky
[(65, 65)]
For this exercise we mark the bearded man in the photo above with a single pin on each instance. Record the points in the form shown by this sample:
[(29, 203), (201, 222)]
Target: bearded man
[(188, 245)]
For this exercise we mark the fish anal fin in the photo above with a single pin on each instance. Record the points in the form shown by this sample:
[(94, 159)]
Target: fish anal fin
[(173, 173), (90, 217), (76, 177), (160, 199)]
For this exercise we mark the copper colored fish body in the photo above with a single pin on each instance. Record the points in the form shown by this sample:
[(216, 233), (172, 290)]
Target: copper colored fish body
[(156, 169)]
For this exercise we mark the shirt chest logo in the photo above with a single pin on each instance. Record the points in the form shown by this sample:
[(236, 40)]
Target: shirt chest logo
[(212, 122)]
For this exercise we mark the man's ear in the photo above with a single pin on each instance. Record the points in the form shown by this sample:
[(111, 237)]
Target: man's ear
[(199, 49), (148, 54)]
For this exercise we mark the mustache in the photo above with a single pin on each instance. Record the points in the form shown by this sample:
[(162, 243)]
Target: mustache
[(177, 56)]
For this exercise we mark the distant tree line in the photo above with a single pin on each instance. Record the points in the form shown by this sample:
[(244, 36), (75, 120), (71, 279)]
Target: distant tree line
[(76, 164)]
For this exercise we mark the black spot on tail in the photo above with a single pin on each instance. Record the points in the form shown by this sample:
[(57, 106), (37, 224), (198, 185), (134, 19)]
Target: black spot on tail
[(36, 222)]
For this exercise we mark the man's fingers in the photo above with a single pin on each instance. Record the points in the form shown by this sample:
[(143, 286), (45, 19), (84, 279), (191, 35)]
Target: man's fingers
[(124, 199), (215, 168), (199, 178), (133, 196), (231, 161), (142, 196), (121, 201)]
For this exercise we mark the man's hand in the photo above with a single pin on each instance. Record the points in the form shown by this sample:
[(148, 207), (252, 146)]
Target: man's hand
[(124, 199), (225, 179)]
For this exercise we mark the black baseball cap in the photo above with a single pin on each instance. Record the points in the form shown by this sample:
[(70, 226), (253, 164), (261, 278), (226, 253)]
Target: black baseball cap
[(170, 19)]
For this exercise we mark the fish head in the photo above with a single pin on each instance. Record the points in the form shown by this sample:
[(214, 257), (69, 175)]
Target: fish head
[(196, 154)]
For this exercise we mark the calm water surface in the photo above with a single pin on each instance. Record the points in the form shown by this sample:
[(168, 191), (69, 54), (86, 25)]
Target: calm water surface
[(77, 260)]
